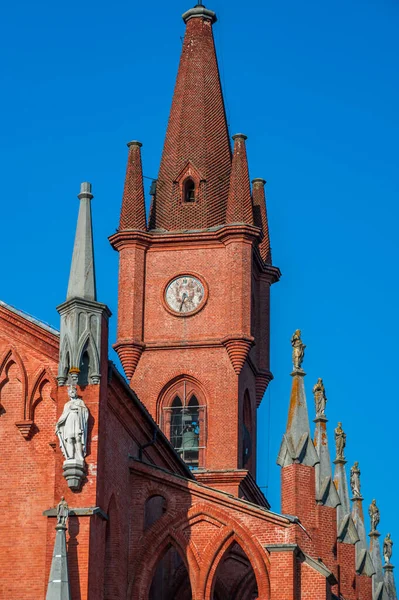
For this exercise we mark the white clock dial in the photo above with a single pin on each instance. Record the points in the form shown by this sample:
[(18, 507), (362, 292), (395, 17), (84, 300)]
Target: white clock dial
[(184, 294)]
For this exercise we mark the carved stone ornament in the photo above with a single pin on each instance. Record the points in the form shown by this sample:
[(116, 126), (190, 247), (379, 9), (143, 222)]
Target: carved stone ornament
[(355, 480), (62, 513), (374, 515), (298, 350), (340, 442), (320, 398), (387, 549), (71, 429)]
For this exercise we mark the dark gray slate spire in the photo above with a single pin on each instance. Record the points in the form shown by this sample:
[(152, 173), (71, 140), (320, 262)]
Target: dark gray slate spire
[(326, 492), (297, 445), (58, 584), (83, 319), (82, 279)]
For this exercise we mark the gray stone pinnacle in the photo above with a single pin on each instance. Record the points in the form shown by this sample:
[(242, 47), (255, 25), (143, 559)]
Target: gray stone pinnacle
[(82, 280), (326, 492), (379, 592), (389, 582), (364, 563), (297, 445), (58, 584)]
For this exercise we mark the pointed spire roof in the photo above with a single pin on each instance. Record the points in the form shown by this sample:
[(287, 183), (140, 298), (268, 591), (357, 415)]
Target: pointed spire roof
[(389, 580), (364, 564), (379, 592), (197, 135), (346, 529), (326, 492), (133, 203), (82, 280), (297, 445), (239, 203), (58, 584), (260, 218)]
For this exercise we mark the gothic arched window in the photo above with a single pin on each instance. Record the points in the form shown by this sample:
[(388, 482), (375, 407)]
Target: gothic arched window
[(189, 190), (183, 420)]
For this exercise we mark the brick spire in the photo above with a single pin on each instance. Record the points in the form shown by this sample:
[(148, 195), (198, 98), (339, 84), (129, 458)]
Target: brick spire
[(133, 204), (239, 203), (260, 218), (197, 143)]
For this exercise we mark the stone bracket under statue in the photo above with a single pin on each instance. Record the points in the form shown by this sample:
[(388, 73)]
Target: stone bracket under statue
[(71, 430)]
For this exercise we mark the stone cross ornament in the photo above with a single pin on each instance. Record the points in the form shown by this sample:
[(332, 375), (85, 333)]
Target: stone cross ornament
[(298, 351), (374, 515), (355, 480), (320, 399)]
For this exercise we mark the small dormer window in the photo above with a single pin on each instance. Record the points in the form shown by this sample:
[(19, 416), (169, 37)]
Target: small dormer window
[(189, 190)]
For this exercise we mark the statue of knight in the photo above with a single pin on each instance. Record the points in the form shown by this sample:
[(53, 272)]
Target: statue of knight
[(71, 427)]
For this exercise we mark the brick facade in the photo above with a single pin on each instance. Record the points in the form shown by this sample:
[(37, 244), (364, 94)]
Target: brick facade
[(146, 525)]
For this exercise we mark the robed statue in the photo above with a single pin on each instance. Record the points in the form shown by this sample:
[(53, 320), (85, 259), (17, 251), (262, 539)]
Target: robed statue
[(71, 427), (387, 549), (355, 480), (320, 397), (62, 512), (298, 350), (340, 441), (374, 515)]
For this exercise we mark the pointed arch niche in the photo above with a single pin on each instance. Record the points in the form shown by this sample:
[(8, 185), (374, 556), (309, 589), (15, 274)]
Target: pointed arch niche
[(247, 433), (235, 577), (171, 580), (182, 415)]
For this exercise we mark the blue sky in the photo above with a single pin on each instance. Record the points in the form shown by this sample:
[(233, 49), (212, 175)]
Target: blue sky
[(315, 87)]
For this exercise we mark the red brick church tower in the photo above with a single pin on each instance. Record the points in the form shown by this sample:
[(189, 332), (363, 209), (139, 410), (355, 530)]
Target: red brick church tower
[(194, 286), (144, 488)]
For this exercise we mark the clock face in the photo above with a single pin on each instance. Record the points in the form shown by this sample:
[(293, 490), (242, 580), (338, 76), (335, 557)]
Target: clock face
[(184, 294)]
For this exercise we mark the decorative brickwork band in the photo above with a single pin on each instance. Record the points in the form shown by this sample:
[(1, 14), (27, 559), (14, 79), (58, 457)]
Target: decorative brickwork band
[(261, 382), (133, 203), (239, 203), (129, 354), (238, 350)]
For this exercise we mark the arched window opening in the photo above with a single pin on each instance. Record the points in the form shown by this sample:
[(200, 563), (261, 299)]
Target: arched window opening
[(113, 565), (189, 190), (171, 580), (247, 433), (235, 578), (183, 419), (154, 508), (84, 369)]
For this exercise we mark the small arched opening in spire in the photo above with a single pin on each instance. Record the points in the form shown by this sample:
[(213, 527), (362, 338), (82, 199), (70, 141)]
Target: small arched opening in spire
[(189, 190), (84, 367), (247, 433)]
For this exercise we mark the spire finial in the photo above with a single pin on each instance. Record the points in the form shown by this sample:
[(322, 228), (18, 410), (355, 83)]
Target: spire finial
[(320, 399), (82, 280)]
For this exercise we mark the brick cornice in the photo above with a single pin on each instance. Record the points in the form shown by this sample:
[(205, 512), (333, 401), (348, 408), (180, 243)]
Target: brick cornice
[(194, 238)]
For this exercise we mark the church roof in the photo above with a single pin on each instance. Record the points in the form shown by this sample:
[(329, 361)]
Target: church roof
[(29, 318)]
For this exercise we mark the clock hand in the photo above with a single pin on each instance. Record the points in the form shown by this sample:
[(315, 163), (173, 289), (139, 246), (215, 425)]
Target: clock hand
[(184, 298)]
